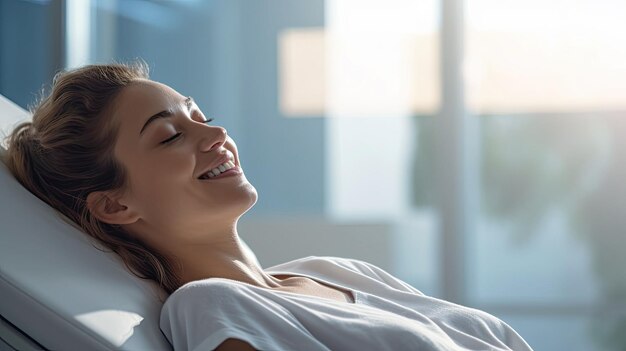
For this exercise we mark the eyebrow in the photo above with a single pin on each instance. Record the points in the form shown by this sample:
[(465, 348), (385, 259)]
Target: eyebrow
[(165, 114)]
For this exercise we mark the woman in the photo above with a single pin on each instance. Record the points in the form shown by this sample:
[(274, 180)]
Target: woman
[(139, 167)]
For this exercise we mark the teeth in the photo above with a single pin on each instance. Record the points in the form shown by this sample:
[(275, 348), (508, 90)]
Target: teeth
[(218, 170)]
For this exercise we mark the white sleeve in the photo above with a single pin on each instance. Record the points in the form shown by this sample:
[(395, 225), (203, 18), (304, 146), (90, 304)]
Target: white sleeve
[(202, 315)]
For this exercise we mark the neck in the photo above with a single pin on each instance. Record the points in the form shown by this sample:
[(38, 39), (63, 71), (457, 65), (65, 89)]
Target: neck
[(220, 254), (225, 258)]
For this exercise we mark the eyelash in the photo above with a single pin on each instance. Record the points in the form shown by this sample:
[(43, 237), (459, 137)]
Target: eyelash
[(175, 136)]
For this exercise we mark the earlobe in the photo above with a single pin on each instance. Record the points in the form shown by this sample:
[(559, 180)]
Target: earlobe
[(106, 207)]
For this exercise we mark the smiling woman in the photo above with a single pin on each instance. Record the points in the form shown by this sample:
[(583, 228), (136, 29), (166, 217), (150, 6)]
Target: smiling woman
[(138, 166)]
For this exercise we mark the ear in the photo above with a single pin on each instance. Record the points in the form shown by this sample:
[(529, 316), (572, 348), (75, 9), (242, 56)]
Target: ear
[(106, 206)]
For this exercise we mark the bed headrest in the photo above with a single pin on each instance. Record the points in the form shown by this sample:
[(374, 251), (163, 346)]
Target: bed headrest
[(10, 115), (56, 286)]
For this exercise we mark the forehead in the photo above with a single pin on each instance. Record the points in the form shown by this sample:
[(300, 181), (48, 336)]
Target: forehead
[(142, 99)]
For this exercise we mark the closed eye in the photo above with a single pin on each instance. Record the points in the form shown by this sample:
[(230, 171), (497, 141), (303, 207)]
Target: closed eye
[(175, 136), (172, 138)]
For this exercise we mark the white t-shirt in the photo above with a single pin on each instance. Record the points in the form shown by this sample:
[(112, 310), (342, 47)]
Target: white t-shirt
[(387, 314)]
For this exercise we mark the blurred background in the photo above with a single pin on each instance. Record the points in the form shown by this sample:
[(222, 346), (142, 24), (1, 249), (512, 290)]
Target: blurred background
[(475, 149)]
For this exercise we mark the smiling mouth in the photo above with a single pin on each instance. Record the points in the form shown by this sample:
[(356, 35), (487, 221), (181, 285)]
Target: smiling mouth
[(223, 168)]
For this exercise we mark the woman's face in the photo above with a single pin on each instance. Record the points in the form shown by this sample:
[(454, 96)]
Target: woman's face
[(167, 148)]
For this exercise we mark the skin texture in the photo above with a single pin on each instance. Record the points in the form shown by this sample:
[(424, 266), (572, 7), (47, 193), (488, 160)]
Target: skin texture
[(169, 208)]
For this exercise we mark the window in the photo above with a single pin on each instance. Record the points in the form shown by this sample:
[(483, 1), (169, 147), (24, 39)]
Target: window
[(490, 133)]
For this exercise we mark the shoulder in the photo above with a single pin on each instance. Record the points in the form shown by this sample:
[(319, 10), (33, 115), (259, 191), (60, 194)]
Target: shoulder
[(213, 296), (217, 312), (205, 313), (205, 288)]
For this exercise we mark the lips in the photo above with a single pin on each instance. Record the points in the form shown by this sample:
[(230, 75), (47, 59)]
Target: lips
[(225, 158)]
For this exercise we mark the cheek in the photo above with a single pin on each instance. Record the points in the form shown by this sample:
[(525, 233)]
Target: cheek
[(168, 166), (160, 179), (163, 204)]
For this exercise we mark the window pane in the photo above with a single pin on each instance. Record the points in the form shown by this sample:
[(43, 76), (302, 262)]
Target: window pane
[(538, 174), (546, 80), (381, 71), (545, 56)]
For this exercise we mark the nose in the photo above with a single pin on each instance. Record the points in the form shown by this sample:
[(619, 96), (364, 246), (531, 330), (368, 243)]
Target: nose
[(213, 138)]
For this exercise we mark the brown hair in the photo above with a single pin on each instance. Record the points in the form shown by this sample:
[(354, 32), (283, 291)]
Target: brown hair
[(66, 152)]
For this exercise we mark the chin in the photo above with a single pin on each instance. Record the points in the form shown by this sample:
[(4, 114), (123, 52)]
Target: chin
[(251, 197)]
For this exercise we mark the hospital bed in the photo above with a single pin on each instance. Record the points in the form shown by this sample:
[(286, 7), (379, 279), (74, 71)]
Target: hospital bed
[(59, 289)]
